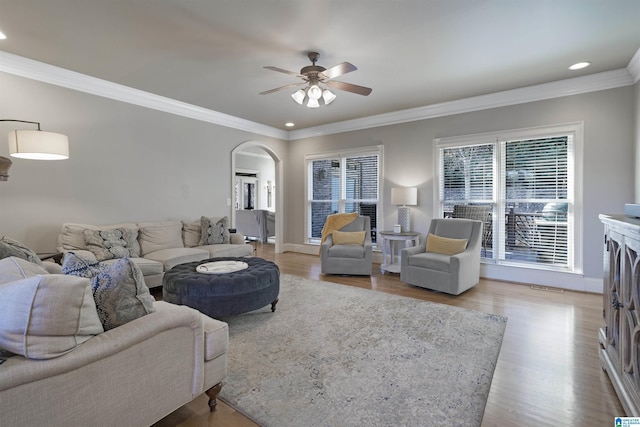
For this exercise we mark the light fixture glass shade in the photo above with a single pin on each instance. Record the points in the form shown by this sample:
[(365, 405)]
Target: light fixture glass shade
[(298, 96), (313, 103), (38, 145), (404, 196), (328, 96), (314, 92)]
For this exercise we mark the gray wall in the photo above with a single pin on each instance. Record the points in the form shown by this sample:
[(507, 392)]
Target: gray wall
[(127, 163), (408, 157), (130, 163)]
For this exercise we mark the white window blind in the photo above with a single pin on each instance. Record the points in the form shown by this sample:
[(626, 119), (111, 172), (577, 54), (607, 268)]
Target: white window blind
[(342, 183), (522, 188)]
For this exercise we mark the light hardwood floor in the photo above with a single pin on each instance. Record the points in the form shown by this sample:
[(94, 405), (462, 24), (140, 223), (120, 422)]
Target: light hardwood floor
[(548, 372)]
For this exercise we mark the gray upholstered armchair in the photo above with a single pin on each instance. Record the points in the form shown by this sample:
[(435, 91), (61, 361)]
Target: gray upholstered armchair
[(452, 274), (351, 259)]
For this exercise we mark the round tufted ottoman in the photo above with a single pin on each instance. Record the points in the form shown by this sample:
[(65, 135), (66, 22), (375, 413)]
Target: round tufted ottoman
[(227, 294)]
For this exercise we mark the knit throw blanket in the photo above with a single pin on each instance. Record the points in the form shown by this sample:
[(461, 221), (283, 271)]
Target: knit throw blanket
[(336, 222)]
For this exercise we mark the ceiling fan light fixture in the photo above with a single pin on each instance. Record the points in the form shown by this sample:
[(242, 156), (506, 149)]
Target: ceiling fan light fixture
[(298, 96), (328, 96), (314, 92), (313, 103)]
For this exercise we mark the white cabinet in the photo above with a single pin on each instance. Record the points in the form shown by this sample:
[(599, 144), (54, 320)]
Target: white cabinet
[(620, 334)]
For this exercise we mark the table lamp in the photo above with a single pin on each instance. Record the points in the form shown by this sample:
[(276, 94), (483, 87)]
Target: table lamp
[(404, 196)]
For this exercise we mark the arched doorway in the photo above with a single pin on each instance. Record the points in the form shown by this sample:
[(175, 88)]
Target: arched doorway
[(267, 191)]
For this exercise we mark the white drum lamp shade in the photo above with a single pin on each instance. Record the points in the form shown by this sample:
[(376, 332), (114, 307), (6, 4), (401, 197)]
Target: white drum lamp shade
[(404, 196), (38, 145)]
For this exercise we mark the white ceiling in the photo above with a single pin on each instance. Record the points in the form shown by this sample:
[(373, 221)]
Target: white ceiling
[(413, 53)]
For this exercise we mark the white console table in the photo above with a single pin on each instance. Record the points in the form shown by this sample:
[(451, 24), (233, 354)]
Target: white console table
[(390, 248)]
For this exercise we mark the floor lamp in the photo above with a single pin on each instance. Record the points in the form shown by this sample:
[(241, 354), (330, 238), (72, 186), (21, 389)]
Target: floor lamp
[(404, 196)]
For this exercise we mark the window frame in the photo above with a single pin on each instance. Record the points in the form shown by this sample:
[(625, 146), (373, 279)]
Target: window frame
[(499, 139), (340, 155)]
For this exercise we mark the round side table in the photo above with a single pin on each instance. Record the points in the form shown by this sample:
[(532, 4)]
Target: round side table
[(390, 248)]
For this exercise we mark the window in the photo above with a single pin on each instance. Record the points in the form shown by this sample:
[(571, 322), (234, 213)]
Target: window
[(342, 182), (523, 186)]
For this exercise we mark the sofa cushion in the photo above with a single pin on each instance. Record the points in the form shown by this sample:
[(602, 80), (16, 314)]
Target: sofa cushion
[(147, 266), (10, 247), (46, 316), (121, 294), (191, 233), (155, 236), (228, 250), (348, 237), (112, 243), (174, 256), (214, 230), (445, 245), (71, 235), (347, 251), (15, 268)]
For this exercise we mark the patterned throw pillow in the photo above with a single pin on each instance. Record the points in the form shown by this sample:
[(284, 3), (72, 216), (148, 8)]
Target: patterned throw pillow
[(10, 247), (112, 243), (214, 230), (121, 294), (75, 265), (119, 290)]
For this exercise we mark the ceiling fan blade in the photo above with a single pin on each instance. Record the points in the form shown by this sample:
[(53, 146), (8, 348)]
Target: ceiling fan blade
[(267, 92), (360, 90), (282, 70), (338, 70)]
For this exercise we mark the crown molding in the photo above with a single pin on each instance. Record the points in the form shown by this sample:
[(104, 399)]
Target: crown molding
[(35, 70), (634, 67), (573, 86)]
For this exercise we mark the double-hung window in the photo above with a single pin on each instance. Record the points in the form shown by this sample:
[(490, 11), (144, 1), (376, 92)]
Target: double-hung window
[(524, 186), (342, 182)]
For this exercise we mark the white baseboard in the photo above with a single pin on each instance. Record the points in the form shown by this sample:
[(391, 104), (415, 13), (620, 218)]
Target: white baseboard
[(507, 273)]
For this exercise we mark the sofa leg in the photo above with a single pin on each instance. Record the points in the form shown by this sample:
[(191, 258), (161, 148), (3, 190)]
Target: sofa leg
[(213, 393), (273, 305)]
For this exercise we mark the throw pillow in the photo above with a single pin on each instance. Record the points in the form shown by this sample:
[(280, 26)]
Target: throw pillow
[(119, 290), (191, 234), (15, 268), (121, 294), (46, 316), (10, 247), (112, 243), (214, 230), (75, 265), (445, 245), (348, 237)]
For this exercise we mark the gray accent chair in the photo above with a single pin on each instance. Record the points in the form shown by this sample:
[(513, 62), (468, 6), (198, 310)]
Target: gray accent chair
[(349, 259), (452, 274)]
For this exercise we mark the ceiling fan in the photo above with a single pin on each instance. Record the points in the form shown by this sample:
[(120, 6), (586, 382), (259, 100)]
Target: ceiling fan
[(314, 75)]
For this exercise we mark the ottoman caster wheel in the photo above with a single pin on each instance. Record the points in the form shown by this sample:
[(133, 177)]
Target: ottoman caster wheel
[(273, 305)]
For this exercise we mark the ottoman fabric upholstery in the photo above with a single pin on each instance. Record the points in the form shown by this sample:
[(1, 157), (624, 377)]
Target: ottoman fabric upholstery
[(219, 295)]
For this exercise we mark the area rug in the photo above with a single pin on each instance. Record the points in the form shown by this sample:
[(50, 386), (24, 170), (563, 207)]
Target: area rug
[(336, 355)]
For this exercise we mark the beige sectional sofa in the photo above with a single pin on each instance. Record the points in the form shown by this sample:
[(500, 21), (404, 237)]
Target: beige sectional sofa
[(155, 247), (65, 369)]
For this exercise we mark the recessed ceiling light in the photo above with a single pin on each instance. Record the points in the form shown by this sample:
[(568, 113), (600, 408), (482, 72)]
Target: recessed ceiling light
[(289, 124), (580, 65)]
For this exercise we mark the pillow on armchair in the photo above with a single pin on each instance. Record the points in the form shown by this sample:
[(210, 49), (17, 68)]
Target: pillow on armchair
[(348, 237), (445, 245)]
